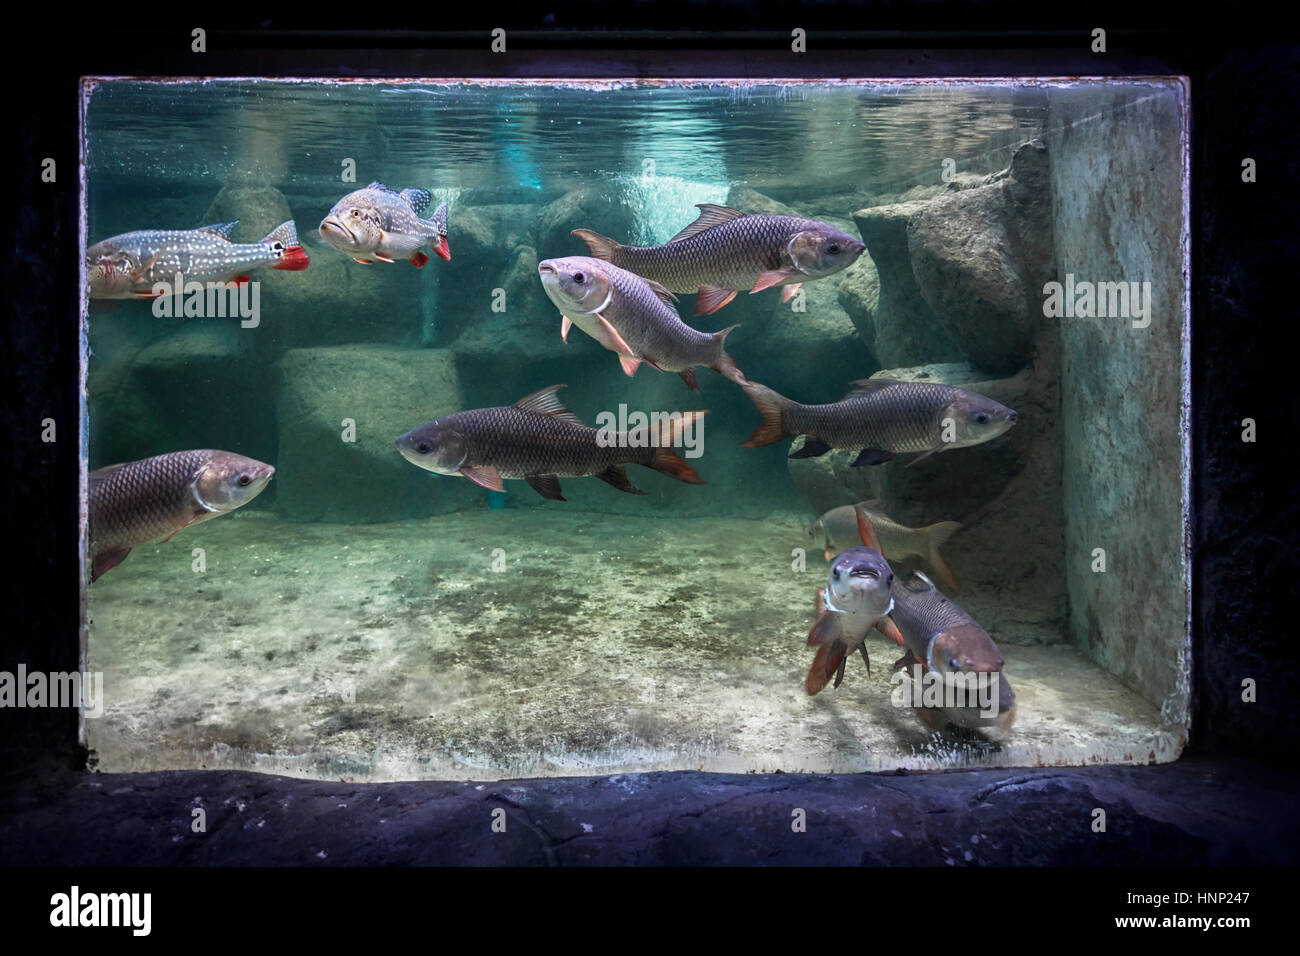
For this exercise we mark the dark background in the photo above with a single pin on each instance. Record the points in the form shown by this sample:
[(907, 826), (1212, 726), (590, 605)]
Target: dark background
[(1244, 90)]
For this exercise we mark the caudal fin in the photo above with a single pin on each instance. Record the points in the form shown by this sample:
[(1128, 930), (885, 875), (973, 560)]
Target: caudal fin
[(294, 256), (937, 534), (439, 244), (770, 405), (602, 247), (667, 461), (724, 365)]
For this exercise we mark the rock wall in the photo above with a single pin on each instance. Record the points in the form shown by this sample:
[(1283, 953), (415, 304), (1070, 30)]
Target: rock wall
[(1123, 403)]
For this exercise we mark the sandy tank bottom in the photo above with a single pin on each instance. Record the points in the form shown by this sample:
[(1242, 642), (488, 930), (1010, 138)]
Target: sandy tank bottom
[(608, 644)]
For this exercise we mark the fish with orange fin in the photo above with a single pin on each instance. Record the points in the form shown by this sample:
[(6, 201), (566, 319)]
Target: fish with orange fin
[(837, 529), (942, 638), (725, 250), (858, 594), (380, 224), (130, 265), (633, 318)]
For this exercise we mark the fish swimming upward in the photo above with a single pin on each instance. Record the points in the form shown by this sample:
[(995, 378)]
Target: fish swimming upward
[(882, 418), (128, 266), (633, 318), (726, 250), (378, 223), (539, 440), (837, 529), (134, 503), (857, 595), (941, 637)]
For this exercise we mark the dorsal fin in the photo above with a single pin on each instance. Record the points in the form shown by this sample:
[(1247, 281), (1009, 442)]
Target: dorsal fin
[(660, 290), (921, 585), (376, 184), (710, 215), (99, 474), (418, 199), (545, 402), (865, 386), (222, 229)]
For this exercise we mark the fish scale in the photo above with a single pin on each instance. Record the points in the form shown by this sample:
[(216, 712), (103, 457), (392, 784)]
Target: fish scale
[(520, 442), (905, 417), (926, 613), (730, 255), (140, 500)]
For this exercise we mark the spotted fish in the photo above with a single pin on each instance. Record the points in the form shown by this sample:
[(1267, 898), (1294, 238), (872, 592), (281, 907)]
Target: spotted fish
[(128, 266), (381, 224)]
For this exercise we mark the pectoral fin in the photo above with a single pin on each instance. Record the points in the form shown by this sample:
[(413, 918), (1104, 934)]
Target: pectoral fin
[(926, 454), (364, 262), (772, 277), (887, 627), (382, 258), (198, 515), (564, 328), (710, 299), (608, 336), (485, 475)]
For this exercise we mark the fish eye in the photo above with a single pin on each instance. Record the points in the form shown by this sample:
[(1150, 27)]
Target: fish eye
[(355, 213), (833, 248), (424, 448), (244, 480), (835, 573), (953, 663), (579, 278), (982, 418)]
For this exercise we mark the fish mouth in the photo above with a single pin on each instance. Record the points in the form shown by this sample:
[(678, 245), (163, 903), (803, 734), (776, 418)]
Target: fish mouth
[(331, 229)]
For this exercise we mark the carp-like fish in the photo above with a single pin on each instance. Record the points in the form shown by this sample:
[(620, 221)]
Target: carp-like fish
[(857, 595), (882, 418), (135, 502), (539, 440), (632, 317), (378, 223), (128, 266), (837, 529), (941, 637), (726, 250)]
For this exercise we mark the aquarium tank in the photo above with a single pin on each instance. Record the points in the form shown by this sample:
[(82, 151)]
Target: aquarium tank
[(980, 285)]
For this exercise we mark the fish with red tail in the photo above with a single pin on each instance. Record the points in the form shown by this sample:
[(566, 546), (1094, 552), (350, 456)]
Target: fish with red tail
[(138, 501), (540, 441), (858, 594), (881, 418), (726, 250), (633, 318), (130, 265), (942, 638), (837, 529), (378, 224)]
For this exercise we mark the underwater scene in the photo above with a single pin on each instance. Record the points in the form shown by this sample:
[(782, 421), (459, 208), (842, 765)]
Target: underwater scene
[(485, 429)]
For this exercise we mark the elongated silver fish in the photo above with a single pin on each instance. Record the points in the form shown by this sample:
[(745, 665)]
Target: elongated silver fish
[(882, 417), (858, 594), (539, 440), (129, 265), (941, 637), (378, 223), (632, 317), (726, 250), (837, 529), (137, 501)]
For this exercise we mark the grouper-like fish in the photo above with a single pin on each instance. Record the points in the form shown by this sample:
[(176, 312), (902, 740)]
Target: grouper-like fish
[(129, 265), (837, 529), (378, 223), (726, 250), (133, 503), (882, 418), (539, 440), (941, 637), (857, 595), (632, 317)]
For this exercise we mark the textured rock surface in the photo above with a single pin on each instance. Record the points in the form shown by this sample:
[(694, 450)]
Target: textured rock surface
[(386, 391), (960, 271), (1121, 386), (1192, 813)]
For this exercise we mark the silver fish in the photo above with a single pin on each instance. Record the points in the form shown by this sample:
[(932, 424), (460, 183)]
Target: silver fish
[(378, 223), (632, 317), (128, 266), (837, 529)]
